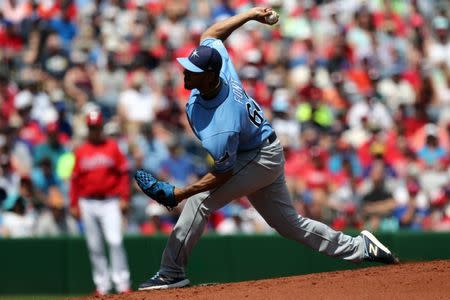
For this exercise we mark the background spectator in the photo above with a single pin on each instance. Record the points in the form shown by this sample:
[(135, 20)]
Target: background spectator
[(16, 221), (56, 220)]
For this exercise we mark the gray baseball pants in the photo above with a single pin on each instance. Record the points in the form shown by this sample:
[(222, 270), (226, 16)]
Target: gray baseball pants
[(259, 175)]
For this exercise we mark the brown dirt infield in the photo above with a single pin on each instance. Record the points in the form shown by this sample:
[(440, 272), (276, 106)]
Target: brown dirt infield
[(414, 280)]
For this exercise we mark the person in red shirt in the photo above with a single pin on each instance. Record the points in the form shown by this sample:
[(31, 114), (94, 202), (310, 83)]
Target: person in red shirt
[(8, 92), (99, 190)]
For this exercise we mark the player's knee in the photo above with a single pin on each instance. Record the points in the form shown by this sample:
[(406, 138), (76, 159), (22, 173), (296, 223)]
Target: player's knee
[(96, 250), (205, 211), (289, 227), (114, 241), (197, 207)]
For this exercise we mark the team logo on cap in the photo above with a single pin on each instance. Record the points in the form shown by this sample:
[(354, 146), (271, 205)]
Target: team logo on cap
[(194, 53), (94, 118)]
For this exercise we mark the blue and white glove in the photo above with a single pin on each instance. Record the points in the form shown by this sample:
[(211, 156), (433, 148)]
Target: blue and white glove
[(160, 191)]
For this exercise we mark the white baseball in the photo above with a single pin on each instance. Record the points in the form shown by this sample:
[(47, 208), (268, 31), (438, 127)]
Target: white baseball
[(272, 18)]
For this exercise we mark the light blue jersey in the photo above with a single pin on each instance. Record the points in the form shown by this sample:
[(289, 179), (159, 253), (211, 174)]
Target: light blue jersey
[(232, 121)]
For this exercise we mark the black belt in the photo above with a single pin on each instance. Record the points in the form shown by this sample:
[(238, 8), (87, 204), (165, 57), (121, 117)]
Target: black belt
[(272, 137), (98, 197)]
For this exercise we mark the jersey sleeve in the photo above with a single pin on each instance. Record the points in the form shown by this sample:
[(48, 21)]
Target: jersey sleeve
[(223, 148)]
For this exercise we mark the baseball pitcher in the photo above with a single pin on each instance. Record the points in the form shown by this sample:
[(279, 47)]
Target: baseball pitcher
[(248, 160)]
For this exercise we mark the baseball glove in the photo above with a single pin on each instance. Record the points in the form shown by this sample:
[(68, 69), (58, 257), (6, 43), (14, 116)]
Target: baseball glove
[(160, 191)]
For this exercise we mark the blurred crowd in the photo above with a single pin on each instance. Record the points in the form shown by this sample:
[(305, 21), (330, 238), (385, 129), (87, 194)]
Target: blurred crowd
[(357, 91)]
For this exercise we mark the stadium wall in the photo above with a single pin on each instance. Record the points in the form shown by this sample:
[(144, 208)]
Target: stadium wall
[(61, 265)]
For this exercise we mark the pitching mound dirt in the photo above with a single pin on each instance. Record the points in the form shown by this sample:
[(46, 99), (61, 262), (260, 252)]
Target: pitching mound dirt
[(419, 280)]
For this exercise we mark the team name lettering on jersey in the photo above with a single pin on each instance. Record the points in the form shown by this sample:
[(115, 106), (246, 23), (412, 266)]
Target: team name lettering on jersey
[(238, 92), (96, 161)]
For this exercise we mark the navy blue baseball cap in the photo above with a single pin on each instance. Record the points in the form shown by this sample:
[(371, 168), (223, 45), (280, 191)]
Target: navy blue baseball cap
[(202, 59)]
